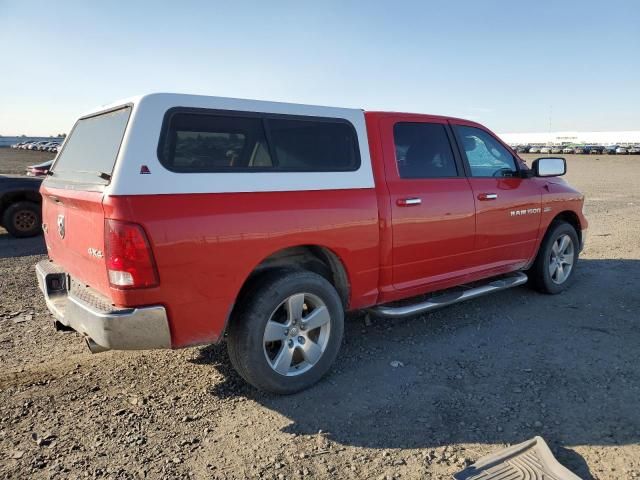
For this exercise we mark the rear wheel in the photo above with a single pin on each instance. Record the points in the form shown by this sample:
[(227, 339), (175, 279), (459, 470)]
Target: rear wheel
[(23, 219), (553, 269), (287, 332)]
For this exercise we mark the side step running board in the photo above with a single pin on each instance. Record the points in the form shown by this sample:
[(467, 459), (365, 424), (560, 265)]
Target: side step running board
[(449, 298)]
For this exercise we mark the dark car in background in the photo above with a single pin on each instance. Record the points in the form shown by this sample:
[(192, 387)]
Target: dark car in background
[(523, 149), (20, 205), (595, 149), (610, 149)]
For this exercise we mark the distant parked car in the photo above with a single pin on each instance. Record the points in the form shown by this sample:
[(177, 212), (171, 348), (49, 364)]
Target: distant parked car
[(621, 151), (635, 150), (595, 150), (568, 150), (45, 146), (545, 150), (610, 149), (523, 149), (534, 150), (25, 145), (581, 149), (18, 145), (40, 169), (36, 145), (556, 149)]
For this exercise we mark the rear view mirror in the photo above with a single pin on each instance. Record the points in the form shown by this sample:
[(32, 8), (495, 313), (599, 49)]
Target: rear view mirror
[(549, 167)]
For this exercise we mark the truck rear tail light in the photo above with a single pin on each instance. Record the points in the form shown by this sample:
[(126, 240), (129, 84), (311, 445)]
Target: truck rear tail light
[(129, 257)]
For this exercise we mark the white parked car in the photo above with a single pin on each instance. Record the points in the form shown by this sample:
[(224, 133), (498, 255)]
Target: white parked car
[(568, 150), (534, 150), (545, 150), (37, 145)]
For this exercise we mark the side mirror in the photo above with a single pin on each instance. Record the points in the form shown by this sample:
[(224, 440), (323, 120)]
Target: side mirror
[(549, 167)]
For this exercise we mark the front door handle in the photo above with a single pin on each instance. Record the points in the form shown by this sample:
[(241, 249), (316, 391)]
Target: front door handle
[(487, 196), (409, 202)]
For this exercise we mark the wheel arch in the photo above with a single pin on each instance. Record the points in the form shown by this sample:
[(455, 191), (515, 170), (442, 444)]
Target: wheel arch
[(315, 258), (570, 217)]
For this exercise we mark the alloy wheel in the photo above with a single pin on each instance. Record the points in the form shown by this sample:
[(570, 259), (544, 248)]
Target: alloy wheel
[(561, 259), (297, 334)]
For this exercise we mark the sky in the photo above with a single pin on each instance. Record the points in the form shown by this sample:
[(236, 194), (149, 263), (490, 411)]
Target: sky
[(515, 66)]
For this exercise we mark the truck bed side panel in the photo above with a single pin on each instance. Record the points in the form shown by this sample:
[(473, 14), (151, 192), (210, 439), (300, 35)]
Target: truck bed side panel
[(208, 244)]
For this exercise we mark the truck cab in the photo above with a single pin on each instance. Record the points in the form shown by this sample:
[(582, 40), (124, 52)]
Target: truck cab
[(178, 220)]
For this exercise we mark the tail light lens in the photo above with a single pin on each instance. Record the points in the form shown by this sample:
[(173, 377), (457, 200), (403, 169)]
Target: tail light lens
[(129, 257)]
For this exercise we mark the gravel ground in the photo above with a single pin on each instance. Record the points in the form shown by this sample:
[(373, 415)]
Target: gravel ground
[(473, 378)]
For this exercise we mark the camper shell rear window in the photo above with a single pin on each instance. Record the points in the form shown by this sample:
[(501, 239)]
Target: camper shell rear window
[(89, 154), (203, 140)]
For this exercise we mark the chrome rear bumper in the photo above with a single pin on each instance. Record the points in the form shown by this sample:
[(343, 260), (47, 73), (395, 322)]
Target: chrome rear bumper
[(105, 326)]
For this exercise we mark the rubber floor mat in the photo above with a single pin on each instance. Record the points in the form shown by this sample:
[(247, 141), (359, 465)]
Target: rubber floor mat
[(530, 460)]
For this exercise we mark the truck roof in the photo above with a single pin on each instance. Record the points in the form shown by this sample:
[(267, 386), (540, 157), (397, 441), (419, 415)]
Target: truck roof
[(208, 101), (408, 115)]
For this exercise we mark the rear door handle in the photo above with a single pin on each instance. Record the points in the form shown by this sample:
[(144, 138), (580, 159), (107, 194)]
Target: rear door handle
[(487, 196), (409, 202)]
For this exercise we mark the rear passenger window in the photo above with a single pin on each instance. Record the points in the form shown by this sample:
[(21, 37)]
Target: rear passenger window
[(206, 142), (423, 151)]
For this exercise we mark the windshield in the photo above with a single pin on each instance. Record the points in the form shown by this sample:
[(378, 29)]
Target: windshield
[(89, 155)]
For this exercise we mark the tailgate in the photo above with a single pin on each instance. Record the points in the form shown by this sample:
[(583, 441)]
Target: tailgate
[(73, 222), (73, 192)]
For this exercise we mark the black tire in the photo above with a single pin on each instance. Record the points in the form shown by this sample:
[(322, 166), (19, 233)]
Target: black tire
[(540, 273), (245, 340), (23, 219)]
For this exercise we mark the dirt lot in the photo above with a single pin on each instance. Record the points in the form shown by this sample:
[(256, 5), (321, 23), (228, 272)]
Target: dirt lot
[(476, 377)]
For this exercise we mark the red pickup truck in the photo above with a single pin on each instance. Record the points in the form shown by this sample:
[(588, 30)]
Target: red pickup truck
[(178, 220)]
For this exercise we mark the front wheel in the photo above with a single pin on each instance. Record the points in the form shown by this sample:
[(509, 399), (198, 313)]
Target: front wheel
[(287, 331), (553, 269)]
